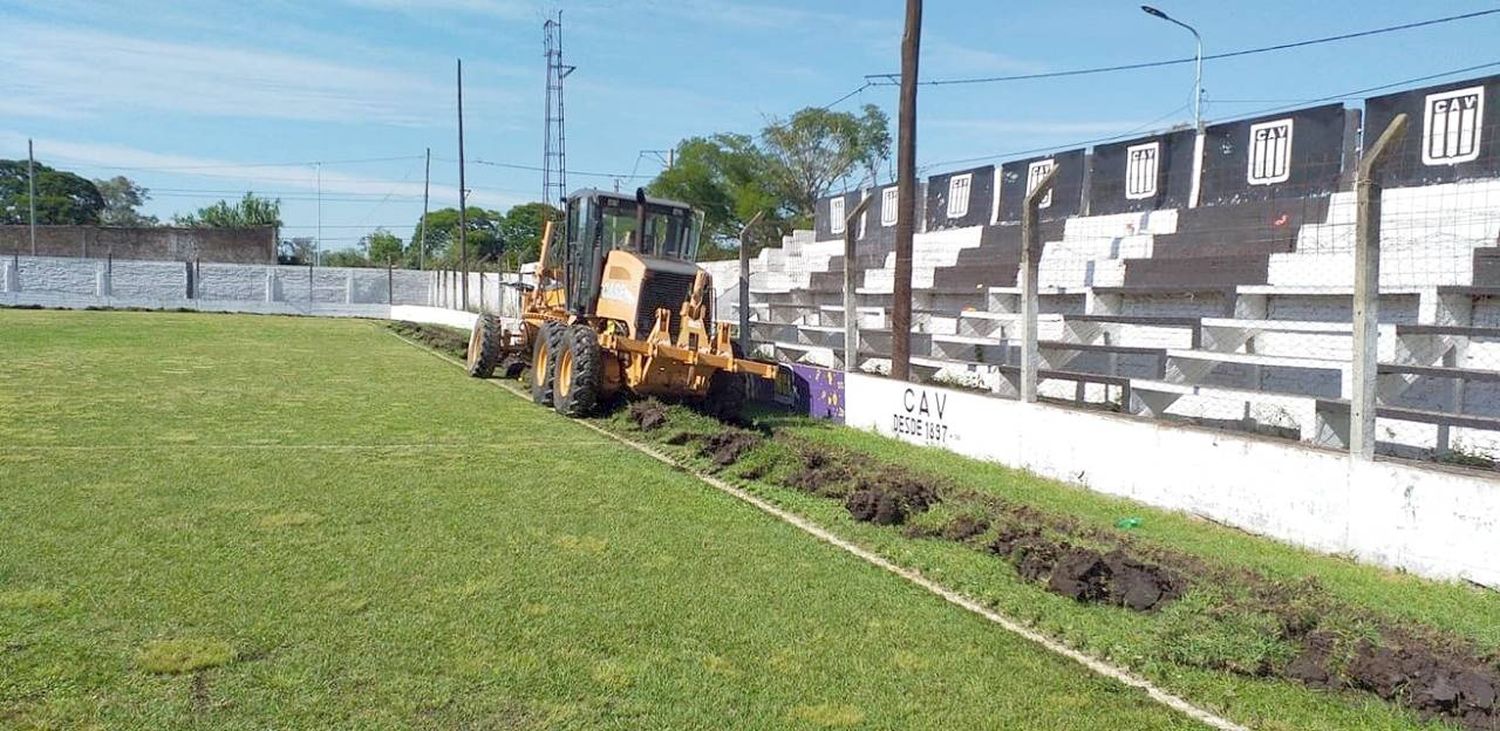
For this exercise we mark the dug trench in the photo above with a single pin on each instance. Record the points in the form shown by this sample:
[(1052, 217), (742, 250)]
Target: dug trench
[(1315, 639), (1309, 636)]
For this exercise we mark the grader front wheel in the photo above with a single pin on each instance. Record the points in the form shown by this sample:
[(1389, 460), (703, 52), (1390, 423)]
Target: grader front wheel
[(544, 361), (580, 371)]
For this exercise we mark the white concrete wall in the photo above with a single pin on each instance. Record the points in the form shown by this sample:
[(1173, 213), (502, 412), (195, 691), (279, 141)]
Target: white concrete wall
[(1434, 522), (167, 281)]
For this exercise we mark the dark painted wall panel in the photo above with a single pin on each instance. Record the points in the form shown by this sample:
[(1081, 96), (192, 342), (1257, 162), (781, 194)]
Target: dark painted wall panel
[(1450, 134), (1067, 192), (1285, 155), (980, 204), (1144, 174), (822, 222)]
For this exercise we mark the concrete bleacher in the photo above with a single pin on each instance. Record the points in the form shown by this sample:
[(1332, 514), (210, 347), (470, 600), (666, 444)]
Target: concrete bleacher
[(1229, 308)]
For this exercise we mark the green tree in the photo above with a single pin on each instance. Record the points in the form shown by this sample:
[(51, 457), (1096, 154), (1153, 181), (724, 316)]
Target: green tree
[(251, 210), (122, 199), (728, 178), (817, 148), (381, 247), (781, 175), (346, 258), (483, 227), (61, 197), (521, 232)]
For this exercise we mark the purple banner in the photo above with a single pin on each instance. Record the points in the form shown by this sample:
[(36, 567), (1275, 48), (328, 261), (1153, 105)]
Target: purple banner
[(816, 392)]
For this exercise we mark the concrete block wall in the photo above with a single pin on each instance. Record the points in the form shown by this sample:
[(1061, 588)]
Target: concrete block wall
[(166, 283)]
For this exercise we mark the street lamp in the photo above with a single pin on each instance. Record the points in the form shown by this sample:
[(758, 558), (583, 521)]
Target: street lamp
[(1198, 77)]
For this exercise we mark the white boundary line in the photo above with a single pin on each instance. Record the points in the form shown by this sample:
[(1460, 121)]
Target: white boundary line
[(1094, 664), (20, 448)]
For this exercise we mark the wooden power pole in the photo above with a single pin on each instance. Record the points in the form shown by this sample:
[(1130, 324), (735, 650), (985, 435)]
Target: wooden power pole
[(906, 206), (463, 223), (422, 227)]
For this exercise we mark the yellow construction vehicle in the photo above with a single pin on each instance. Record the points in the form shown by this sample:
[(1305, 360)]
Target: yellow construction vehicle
[(618, 306)]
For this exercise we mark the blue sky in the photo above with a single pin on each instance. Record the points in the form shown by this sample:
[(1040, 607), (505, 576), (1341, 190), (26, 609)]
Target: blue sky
[(205, 100)]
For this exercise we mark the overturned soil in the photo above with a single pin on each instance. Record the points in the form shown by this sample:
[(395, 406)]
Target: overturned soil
[(445, 340), (726, 447), (648, 415), (1437, 677)]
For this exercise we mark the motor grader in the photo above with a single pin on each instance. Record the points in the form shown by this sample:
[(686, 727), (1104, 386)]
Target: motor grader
[(618, 306)]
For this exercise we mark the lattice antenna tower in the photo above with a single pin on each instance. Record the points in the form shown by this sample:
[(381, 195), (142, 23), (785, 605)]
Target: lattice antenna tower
[(554, 136)]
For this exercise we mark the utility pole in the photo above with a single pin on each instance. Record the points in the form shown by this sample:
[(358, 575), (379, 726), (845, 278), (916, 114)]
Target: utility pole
[(906, 184), (463, 221), (554, 130), (422, 227), (31, 195), (318, 240)]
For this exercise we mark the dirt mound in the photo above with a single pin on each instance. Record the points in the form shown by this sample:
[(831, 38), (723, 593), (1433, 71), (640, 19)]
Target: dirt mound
[(1086, 575), (875, 506), (963, 527), (648, 415), (822, 473), (679, 438), (726, 447), (1432, 685)]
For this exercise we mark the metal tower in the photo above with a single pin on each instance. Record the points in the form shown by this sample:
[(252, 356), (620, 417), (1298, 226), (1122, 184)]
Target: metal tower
[(554, 138)]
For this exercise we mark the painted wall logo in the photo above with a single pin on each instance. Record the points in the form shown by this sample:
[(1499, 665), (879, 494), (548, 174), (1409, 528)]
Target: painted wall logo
[(1034, 174), (1270, 152), (1451, 126), (1141, 166), (923, 415)]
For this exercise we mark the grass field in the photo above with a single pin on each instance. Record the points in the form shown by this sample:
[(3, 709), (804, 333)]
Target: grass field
[(251, 522)]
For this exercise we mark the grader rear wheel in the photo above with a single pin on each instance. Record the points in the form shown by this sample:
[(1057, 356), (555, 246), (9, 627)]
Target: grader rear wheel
[(580, 371), (484, 347), (544, 361)]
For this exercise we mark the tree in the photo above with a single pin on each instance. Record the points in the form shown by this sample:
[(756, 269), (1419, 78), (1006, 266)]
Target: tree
[(122, 198), (381, 247), (817, 148), (728, 178), (521, 231), (297, 250), (442, 236), (251, 210), (732, 177), (62, 198)]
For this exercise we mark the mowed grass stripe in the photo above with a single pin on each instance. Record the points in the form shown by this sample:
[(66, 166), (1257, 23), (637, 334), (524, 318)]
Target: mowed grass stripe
[(541, 586)]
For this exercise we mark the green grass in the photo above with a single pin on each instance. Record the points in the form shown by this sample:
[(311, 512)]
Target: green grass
[(1193, 647), (247, 522)]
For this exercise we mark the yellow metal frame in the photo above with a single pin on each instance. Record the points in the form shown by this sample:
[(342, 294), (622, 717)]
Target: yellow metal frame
[(650, 365)]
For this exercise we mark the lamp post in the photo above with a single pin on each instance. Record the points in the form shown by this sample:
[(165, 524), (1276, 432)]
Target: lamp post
[(1198, 75)]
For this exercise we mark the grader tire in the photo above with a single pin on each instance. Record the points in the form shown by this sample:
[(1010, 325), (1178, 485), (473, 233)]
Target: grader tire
[(544, 361), (726, 394), (484, 347), (580, 373)]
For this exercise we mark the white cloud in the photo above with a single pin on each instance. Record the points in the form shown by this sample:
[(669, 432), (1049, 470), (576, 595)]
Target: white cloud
[(129, 161), (59, 71)]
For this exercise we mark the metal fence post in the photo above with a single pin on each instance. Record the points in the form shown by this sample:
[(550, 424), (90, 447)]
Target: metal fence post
[(851, 315), (745, 283), (1362, 408), (1026, 275), (390, 282)]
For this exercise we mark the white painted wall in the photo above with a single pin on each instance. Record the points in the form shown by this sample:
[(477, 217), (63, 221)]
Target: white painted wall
[(1434, 522)]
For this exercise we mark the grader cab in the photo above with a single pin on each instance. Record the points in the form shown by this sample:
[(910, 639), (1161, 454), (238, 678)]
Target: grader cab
[(619, 306)]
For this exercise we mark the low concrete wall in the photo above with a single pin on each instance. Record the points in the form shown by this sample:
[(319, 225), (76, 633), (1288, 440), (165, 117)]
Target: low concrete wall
[(54, 280), (1435, 522)]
